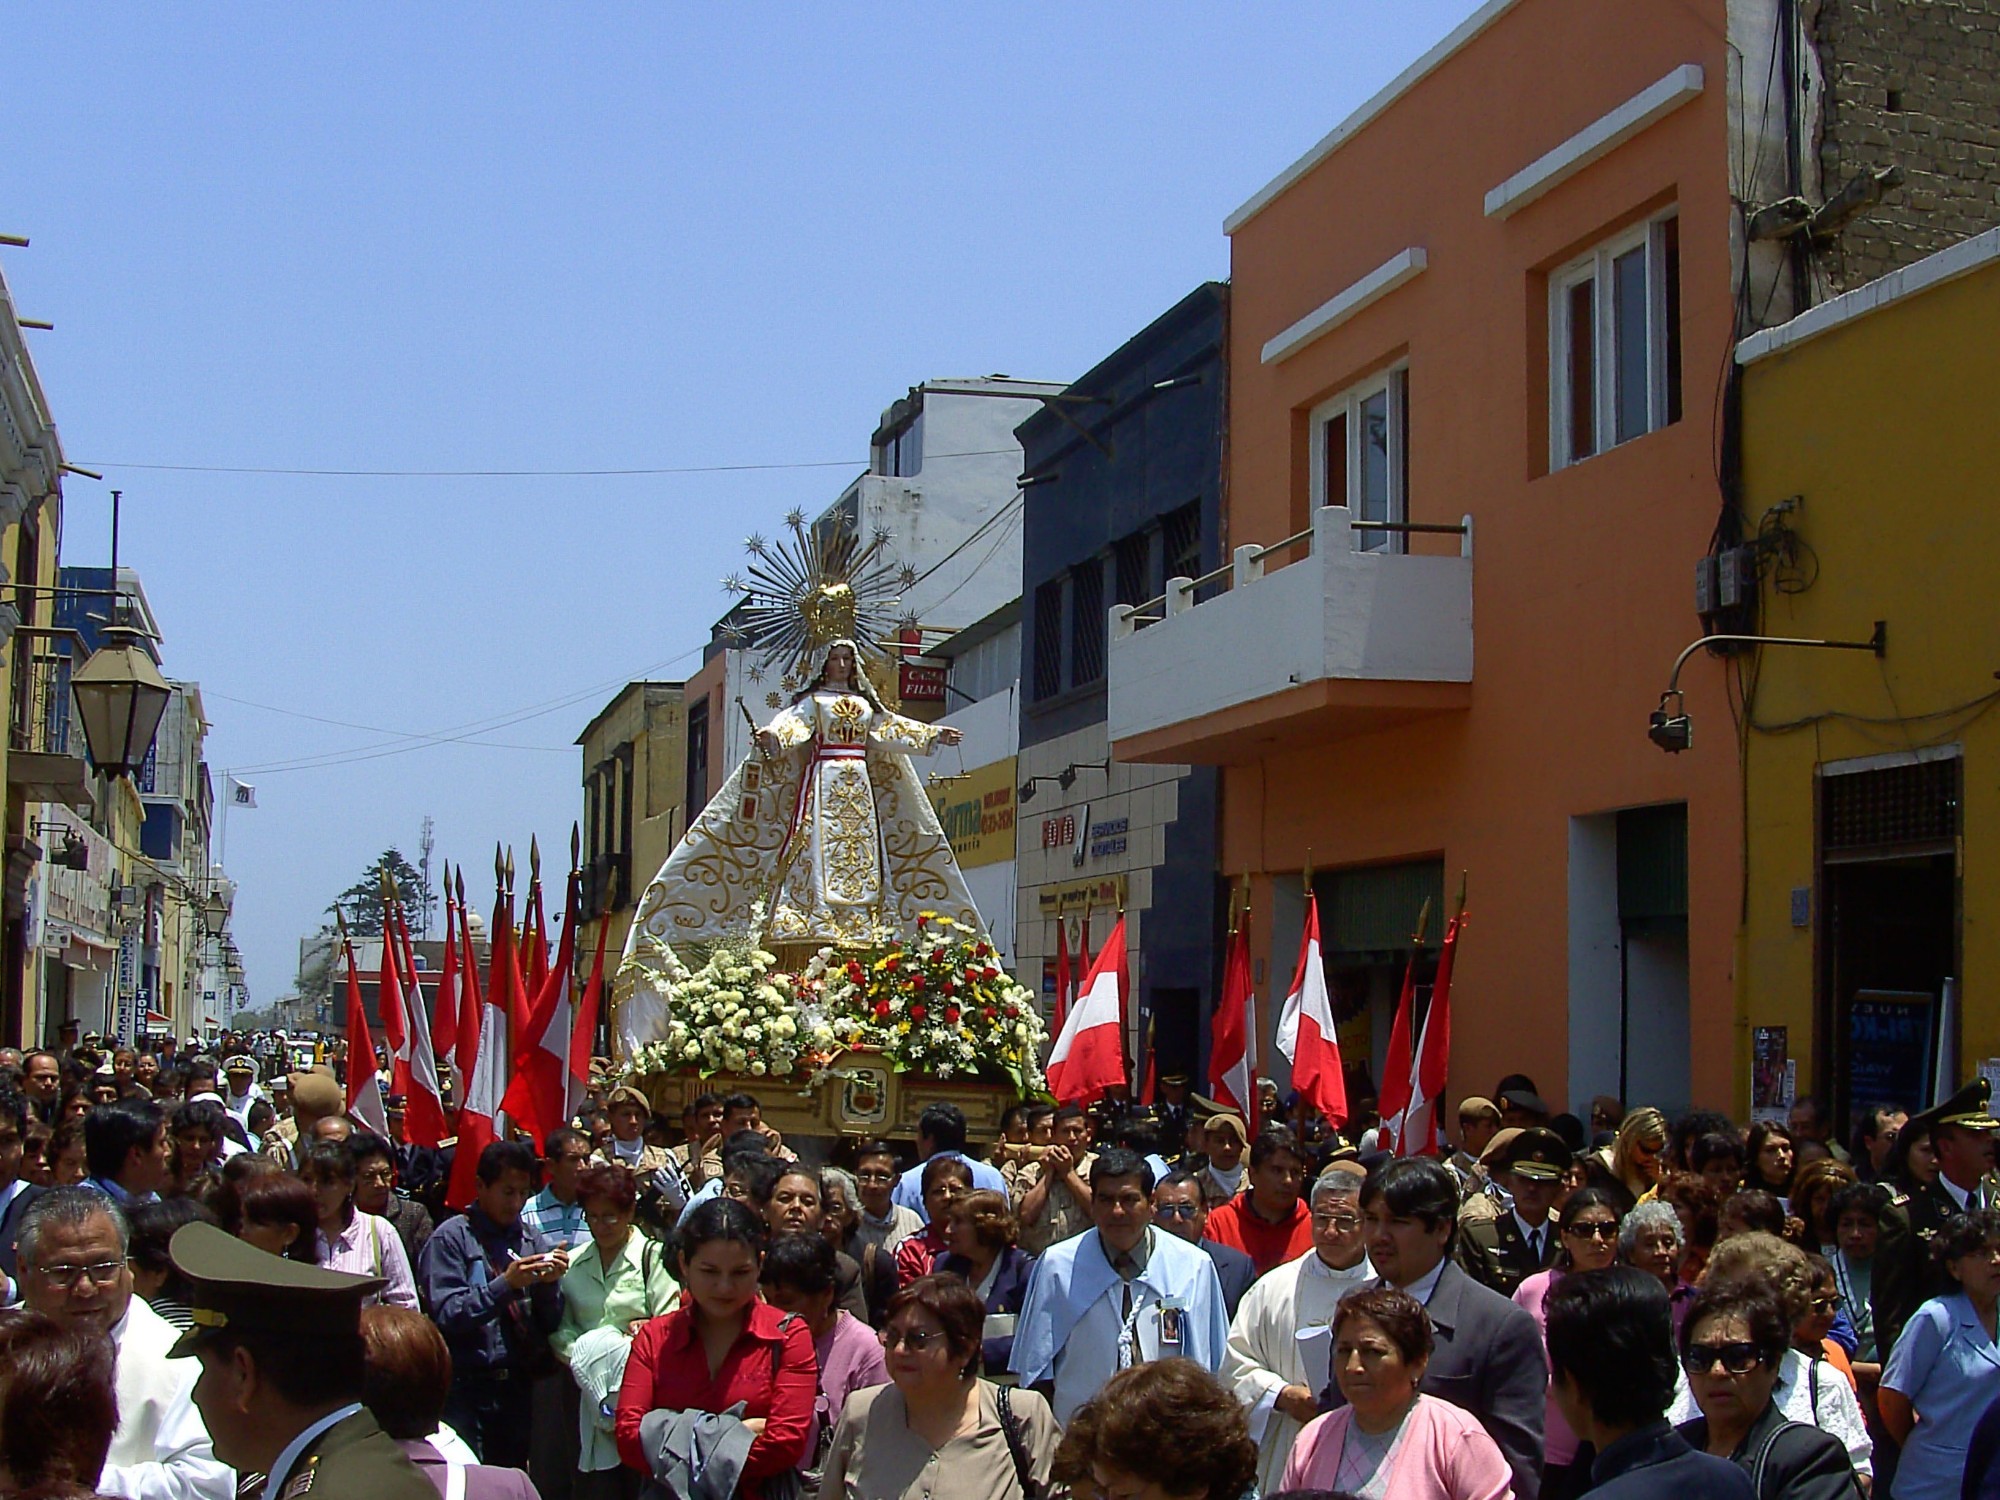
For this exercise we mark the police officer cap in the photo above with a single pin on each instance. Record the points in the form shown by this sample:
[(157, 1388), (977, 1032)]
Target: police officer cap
[(1971, 1108), (1537, 1153), (239, 1289)]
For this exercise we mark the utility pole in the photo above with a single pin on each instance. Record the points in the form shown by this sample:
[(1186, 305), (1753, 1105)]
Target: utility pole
[(425, 843)]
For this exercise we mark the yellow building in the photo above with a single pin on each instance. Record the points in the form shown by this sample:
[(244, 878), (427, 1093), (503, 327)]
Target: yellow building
[(635, 793), (1872, 784)]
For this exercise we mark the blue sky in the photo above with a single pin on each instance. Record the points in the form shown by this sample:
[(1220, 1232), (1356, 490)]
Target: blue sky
[(506, 237)]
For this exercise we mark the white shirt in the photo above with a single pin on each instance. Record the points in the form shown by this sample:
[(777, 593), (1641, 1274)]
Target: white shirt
[(1808, 1391), (1424, 1286), (1966, 1199), (289, 1454), (1530, 1232), (160, 1450)]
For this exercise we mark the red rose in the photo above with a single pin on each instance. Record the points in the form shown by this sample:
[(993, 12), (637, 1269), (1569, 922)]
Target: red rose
[(991, 973), (917, 1012), (951, 1015), (890, 963)]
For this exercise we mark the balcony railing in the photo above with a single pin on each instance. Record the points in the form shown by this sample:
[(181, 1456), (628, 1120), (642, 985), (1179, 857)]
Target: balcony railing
[(46, 753)]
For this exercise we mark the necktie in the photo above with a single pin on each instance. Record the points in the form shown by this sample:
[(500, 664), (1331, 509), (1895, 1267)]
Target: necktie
[(1123, 1266), (1535, 1243)]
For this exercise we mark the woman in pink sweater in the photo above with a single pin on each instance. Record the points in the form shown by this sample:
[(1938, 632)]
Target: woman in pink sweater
[(1587, 1225), (1390, 1442)]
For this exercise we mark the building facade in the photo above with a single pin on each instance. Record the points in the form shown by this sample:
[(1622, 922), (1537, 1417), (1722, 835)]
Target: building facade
[(1122, 488), (1871, 782), (635, 799)]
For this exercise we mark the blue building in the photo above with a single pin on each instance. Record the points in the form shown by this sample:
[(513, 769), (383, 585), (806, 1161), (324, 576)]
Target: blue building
[(1122, 490)]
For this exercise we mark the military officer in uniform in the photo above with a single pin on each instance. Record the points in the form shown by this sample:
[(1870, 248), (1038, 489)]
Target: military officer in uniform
[(1961, 1131), (282, 1368), (1521, 1240)]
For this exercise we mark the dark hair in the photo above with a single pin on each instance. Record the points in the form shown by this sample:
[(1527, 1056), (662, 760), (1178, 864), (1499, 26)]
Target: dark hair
[(506, 1156), (956, 1307), (1116, 1161), (112, 1131), (1963, 1234), (943, 1125), (1698, 1204), (990, 1215), (153, 1226), (202, 1067), (1168, 1423), (1576, 1203), (707, 1099), (741, 1143), (14, 1108), (1179, 1177), (406, 1376), (1709, 1147), (759, 1175), (1690, 1128), (1071, 1111), (608, 1182), (1013, 1112), (1398, 1314), (333, 1372), (561, 1136), (1753, 1146), (1869, 1198), (1611, 1333), (803, 1262), (262, 1107), (1414, 1187), (1754, 1299), (1039, 1112), (734, 1103), (939, 1167), (200, 1114), (272, 1198), (1273, 1139), (1756, 1209), (364, 1145), (333, 1158), (719, 1219), (58, 1406), (875, 1148)]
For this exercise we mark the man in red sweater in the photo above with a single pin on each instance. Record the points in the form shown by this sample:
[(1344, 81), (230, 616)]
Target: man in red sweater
[(1268, 1221)]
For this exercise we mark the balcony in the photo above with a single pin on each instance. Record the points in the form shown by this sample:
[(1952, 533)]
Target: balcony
[(1337, 643), (45, 756)]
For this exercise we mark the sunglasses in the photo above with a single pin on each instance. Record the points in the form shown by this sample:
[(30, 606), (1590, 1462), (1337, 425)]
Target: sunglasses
[(1735, 1358), (1175, 1211), (1592, 1231)]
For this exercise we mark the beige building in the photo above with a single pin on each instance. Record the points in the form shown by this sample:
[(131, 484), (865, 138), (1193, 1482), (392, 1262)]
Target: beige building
[(635, 797)]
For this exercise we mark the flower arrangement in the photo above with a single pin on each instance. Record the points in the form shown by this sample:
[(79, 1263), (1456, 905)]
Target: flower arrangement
[(737, 1013)]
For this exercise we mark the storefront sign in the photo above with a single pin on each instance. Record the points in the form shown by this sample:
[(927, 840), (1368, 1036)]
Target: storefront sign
[(918, 682), (976, 811), (1104, 895), (1109, 837), (1058, 831)]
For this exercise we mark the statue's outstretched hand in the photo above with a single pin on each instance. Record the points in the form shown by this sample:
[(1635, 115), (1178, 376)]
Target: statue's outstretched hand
[(767, 742), (950, 736)]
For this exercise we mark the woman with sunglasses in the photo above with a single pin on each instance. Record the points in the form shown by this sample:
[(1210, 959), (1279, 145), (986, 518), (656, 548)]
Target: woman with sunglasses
[(1587, 1240), (1945, 1369), (937, 1431), (1733, 1345)]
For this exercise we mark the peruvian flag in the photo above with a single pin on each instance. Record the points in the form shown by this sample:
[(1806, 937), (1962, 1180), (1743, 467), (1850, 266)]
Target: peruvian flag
[(389, 1001), (479, 1113), (423, 1103), (1305, 1028), (537, 1099), (444, 1015), (364, 1090), (584, 1037), (1414, 1079), (535, 944), (471, 1006), (1232, 1051), (1089, 1055)]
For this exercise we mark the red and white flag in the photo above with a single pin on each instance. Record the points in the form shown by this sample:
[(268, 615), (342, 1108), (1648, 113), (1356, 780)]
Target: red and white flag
[(1089, 1055), (444, 1015), (480, 1121), (1306, 1036), (1232, 1052), (1413, 1080), (1399, 1067), (584, 1037), (423, 1104), (537, 1099), (390, 1004), (364, 1090)]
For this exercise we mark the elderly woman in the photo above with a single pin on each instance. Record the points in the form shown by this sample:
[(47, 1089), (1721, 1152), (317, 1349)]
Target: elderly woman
[(981, 1230), (1587, 1236), (937, 1431), (798, 1278), (1159, 1429), (58, 1407), (1945, 1369), (1391, 1441), (1732, 1346), (350, 1240), (407, 1378), (945, 1178), (1651, 1238), (841, 1221), (616, 1280)]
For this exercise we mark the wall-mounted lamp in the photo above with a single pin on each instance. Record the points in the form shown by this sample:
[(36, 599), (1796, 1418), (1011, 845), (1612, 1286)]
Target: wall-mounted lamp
[(1067, 777), (1027, 788), (1669, 726), (72, 853)]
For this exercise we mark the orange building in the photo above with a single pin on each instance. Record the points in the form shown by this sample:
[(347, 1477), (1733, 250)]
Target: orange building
[(1498, 301)]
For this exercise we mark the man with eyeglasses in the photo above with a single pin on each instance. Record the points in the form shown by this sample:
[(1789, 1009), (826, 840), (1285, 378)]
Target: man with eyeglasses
[(1117, 1295), (1179, 1208), (885, 1223), (73, 1269), (375, 1192), (1265, 1365)]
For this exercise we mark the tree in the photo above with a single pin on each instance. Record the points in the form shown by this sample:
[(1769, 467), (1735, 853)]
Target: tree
[(361, 903)]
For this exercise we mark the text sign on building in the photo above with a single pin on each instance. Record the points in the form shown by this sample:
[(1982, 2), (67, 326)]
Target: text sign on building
[(1058, 831), (976, 811), (1109, 837), (920, 682)]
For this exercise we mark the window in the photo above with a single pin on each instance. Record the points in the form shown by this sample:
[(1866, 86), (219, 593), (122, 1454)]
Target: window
[(1132, 561), (901, 455), (1086, 624), (1180, 537), (1048, 638), (697, 758), (1615, 343), (1360, 456)]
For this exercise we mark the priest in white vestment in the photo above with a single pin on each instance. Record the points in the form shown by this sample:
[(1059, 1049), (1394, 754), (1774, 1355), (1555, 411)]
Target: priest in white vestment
[(1267, 1362), (73, 1269)]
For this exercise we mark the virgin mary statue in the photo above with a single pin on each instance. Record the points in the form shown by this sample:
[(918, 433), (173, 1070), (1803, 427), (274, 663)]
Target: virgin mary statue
[(824, 831)]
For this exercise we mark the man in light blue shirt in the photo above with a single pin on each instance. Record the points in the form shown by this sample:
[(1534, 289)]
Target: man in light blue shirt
[(555, 1213), (941, 1132)]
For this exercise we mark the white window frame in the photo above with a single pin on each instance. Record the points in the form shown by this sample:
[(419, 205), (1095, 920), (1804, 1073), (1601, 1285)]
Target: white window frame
[(1597, 264), (1396, 381)]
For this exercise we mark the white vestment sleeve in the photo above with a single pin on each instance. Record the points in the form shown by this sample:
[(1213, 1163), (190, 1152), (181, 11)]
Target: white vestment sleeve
[(186, 1468)]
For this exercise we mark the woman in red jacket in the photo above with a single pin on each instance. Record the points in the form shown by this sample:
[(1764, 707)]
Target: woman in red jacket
[(721, 1346)]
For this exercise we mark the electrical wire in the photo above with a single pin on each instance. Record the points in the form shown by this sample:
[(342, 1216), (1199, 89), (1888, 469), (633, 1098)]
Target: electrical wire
[(397, 734), (300, 472)]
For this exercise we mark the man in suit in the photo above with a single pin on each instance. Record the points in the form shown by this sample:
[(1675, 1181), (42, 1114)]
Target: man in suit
[(1521, 1240), (1179, 1208), (1488, 1358), (282, 1372)]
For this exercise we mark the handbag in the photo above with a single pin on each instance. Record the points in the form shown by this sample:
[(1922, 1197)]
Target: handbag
[(1017, 1448)]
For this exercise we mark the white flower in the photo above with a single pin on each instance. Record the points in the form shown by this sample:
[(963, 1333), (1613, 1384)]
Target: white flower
[(691, 1051), (758, 1069)]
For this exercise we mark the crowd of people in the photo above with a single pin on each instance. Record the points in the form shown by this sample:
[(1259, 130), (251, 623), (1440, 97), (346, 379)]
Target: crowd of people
[(217, 1283)]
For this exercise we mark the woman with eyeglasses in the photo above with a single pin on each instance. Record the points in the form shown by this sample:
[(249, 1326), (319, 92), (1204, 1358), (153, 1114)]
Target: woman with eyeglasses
[(616, 1280), (1945, 1369), (937, 1431), (945, 1178), (723, 1346), (1813, 1335), (1733, 1346), (1586, 1240), (980, 1233)]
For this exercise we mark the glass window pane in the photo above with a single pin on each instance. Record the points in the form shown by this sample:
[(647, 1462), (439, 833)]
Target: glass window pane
[(1333, 456), (1581, 375), (1628, 310), (1372, 494), (1670, 269)]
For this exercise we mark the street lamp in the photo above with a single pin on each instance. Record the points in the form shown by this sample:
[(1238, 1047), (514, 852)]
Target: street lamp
[(120, 699), (1669, 726)]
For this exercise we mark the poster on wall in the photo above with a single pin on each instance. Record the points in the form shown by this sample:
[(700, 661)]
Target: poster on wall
[(1890, 1037), (1771, 1075)]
